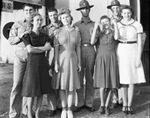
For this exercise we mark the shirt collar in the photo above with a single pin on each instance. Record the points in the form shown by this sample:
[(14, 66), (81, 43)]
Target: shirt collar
[(57, 25), (25, 20), (118, 18), (82, 21), (129, 22)]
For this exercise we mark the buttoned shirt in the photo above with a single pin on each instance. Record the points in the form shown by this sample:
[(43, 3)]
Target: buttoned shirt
[(118, 18), (49, 29), (17, 31), (85, 30)]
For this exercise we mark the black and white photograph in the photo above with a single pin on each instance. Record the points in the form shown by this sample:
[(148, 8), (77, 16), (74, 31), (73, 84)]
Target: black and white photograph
[(74, 59)]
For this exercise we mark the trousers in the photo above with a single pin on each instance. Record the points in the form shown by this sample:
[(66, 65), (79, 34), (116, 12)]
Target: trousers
[(85, 95), (18, 104)]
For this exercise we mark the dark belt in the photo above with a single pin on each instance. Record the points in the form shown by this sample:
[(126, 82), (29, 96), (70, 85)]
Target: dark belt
[(128, 42), (85, 45)]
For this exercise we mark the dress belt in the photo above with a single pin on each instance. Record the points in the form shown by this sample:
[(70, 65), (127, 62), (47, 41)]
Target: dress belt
[(85, 44), (128, 42)]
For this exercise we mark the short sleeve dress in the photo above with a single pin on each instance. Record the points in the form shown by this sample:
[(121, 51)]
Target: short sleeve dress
[(68, 42), (127, 53), (106, 66), (36, 80)]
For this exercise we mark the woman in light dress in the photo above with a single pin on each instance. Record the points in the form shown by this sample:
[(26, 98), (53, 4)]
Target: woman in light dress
[(129, 56), (67, 61)]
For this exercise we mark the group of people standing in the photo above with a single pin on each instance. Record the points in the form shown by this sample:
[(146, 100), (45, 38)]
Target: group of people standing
[(62, 58)]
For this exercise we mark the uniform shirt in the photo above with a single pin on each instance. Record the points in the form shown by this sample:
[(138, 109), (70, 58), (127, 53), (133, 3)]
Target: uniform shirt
[(128, 32), (49, 29), (17, 31), (85, 30), (117, 18)]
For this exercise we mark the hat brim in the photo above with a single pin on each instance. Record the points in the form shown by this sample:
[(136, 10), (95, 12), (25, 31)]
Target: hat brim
[(84, 7), (109, 7)]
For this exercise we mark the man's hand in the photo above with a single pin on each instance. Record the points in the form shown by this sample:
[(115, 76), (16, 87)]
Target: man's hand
[(79, 67), (51, 72), (20, 36), (56, 68)]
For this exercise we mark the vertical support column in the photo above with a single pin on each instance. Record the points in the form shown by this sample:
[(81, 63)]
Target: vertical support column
[(138, 11)]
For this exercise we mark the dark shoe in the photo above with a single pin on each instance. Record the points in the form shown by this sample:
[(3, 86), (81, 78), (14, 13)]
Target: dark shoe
[(119, 104), (102, 110), (23, 116), (107, 111), (125, 110), (34, 116), (77, 109), (130, 110), (114, 105), (52, 113), (91, 109), (59, 109)]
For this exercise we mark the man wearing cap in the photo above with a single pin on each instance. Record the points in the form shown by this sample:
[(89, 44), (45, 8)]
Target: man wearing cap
[(116, 14), (86, 26), (115, 8)]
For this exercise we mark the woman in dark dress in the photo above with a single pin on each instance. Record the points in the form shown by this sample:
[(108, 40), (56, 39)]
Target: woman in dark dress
[(36, 80)]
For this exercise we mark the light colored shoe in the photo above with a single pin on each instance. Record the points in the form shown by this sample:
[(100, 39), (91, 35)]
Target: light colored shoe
[(70, 114), (64, 114)]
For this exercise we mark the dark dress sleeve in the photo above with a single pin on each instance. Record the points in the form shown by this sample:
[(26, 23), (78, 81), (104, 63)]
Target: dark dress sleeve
[(26, 39)]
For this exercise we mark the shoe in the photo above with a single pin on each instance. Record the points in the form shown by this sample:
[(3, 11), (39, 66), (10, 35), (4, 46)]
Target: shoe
[(114, 105), (70, 114), (91, 109), (23, 116), (59, 109), (52, 113), (130, 110), (64, 113), (125, 110), (107, 111), (119, 104), (34, 116), (102, 110), (77, 109)]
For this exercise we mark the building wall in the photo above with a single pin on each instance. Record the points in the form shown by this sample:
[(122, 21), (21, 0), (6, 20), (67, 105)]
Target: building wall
[(7, 50), (62, 3), (99, 9)]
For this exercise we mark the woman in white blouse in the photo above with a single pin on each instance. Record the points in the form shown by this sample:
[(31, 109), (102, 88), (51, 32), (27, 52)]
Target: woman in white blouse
[(129, 56)]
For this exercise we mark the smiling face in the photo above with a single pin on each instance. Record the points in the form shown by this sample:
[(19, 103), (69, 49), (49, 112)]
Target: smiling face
[(115, 10), (126, 14), (37, 22), (105, 23), (28, 12), (66, 19), (53, 16)]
